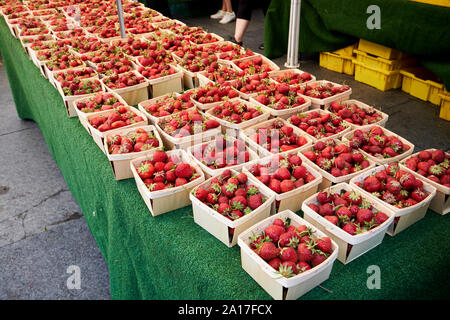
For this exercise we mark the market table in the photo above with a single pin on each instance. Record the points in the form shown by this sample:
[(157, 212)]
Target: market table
[(171, 257), (419, 29)]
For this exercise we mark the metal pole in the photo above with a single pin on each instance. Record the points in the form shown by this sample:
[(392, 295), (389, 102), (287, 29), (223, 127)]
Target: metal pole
[(121, 21), (294, 34)]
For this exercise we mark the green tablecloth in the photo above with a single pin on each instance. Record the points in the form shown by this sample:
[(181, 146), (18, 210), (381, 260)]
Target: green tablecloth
[(326, 25), (169, 256)]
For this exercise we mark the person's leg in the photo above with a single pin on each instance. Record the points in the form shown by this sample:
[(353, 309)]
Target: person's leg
[(241, 27), (244, 14), (229, 14), (227, 6)]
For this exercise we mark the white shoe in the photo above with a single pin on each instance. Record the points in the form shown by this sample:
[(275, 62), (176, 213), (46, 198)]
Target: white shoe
[(218, 15), (228, 17)]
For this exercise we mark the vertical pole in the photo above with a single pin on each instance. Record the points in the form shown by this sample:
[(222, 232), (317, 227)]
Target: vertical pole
[(121, 20), (294, 34)]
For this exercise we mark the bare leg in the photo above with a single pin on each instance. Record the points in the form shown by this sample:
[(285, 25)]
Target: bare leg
[(241, 27), (226, 6)]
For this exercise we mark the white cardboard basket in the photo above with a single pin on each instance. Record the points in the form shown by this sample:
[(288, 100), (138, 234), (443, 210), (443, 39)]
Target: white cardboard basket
[(163, 201), (338, 135), (185, 142), (328, 179), (120, 163), (214, 172), (132, 95), (100, 136), (219, 226), (284, 113), (237, 127), (324, 103), (278, 287), (83, 116), (291, 200), (346, 138), (245, 135), (441, 202), (274, 74), (364, 106), (350, 247), (405, 217)]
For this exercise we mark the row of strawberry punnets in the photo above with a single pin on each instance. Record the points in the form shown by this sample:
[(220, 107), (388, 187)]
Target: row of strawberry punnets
[(129, 139)]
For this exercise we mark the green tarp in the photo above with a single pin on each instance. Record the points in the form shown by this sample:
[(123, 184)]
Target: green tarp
[(169, 256), (326, 25)]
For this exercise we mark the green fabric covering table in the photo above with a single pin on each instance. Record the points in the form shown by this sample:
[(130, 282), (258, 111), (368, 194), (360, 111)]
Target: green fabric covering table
[(419, 29), (169, 256)]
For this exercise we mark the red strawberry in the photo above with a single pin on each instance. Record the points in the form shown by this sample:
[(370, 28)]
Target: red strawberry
[(317, 259), (275, 263), (184, 170), (304, 252), (201, 193), (364, 215), (371, 184), (324, 244), (160, 156), (288, 254), (380, 217), (268, 251), (274, 232)]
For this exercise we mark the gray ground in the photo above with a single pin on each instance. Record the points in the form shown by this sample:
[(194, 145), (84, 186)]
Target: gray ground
[(42, 230)]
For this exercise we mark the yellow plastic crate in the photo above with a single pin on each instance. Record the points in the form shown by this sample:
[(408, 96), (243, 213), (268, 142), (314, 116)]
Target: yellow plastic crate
[(379, 50), (337, 63), (381, 63), (421, 83), (347, 51), (445, 106), (380, 79), (443, 3)]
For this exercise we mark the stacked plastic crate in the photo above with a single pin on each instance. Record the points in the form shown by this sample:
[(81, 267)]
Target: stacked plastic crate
[(340, 60), (380, 66)]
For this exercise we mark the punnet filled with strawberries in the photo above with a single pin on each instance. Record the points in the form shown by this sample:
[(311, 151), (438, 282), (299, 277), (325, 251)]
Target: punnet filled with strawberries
[(186, 123), (357, 113), (136, 140), (337, 158), (212, 93), (287, 255), (255, 64), (236, 111), (379, 143), (275, 136), (433, 164), (100, 102), (320, 124), (287, 176), (230, 195), (349, 217), (291, 77), (281, 97), (395, 186), (220, 153), (165, 172), (168, 104), (408, 195), (115, 119), (322, 89)]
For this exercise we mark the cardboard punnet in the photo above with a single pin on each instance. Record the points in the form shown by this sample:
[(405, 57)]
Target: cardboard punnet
[(281, 288), (350, 246), (224, 229), (404, 217), (166, 200)]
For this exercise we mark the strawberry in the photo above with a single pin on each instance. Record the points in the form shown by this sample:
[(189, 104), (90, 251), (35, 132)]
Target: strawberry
[(288, 254), (274, 232), (305, 252), (268, 251), (324, 244)]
